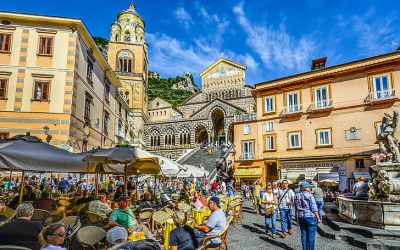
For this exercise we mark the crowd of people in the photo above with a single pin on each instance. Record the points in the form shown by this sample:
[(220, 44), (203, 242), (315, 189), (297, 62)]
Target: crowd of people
[(111, 202)]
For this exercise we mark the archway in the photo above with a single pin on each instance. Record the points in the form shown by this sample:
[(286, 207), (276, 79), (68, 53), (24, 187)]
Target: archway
[(201, 135), (218, 121)]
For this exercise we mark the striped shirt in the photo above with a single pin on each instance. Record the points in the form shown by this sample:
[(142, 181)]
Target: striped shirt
[(305, 204)]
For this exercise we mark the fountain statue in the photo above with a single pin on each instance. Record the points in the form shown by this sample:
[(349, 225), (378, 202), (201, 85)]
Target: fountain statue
[(382, 209)]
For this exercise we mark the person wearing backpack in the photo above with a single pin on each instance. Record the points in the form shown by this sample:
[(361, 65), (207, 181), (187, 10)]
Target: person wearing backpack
[(286, 202)]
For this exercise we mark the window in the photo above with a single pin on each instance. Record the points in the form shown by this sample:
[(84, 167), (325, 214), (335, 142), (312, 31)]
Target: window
[(41, 91), (105, 122), (295, 140), (88, 103), (269, 126), (247, 129), (3, 88), (5, 42), (324, 137), (381, 85), (293, 102), (127, 37), (89, 72), (270, 142), (46, 46), (248, 150), (360, 163), (107, 92), (125, 65), (120, 108), (269, 104), (321, 97), (4, 135)]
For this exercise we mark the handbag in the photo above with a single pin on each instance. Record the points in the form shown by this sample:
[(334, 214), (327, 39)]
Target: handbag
[(269, 211)]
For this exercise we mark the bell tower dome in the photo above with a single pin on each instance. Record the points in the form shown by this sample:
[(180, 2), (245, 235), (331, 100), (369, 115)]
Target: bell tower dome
[(128, 57)]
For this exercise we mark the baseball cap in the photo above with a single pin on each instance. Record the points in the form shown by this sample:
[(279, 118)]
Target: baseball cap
[(215, 200), (305, 185), (121, 198), (117, 235)]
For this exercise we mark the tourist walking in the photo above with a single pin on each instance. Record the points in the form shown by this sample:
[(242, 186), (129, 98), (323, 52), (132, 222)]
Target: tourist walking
[(286, 202), (270, 200), (306, 215), (257, 196), (230, 188), (319, 198)]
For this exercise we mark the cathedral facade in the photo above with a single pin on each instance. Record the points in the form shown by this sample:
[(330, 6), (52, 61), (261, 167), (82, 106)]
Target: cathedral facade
[(205, 117)]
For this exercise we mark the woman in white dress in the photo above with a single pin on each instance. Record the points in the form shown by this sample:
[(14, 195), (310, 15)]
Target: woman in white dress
[(271, 201)]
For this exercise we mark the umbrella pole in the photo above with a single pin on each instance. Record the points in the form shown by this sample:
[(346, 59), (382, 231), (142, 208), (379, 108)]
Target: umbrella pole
[(9, 181), (51, 183), (126, 179), (21, 190), (155, 186), (96, 181)]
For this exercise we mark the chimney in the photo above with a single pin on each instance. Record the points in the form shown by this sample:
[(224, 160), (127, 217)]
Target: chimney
[(318, 63)]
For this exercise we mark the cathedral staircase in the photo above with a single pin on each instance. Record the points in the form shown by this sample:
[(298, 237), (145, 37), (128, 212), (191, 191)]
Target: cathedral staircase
[(200, 156)]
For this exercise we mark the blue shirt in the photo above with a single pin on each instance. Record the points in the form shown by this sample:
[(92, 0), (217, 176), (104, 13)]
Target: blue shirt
[(305, 204)]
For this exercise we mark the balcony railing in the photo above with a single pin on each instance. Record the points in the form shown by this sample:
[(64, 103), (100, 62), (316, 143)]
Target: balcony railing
[(247, 156), (322, 104), (245, 117), (382, 95), (292, 109)]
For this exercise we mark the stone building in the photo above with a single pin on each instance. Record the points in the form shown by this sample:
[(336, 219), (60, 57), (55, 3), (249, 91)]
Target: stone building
[(206, 116)]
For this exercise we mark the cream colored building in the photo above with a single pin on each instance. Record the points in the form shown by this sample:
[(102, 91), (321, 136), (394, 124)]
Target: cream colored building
[(56, 84), (321, 124)]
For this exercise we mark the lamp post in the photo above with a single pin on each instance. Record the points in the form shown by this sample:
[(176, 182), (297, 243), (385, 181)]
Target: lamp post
[(46, 130)]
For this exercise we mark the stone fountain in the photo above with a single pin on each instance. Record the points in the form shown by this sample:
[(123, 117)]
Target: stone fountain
[(382, 209)]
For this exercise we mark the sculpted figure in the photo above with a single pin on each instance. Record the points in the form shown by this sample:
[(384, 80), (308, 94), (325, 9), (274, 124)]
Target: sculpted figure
[(388, 143)]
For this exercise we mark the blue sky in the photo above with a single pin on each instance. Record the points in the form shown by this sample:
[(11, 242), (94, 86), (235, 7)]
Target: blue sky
[(273, 38)]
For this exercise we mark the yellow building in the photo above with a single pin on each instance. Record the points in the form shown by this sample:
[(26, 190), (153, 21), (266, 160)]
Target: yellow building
[(56, 84), (321, 124), (128, 57)]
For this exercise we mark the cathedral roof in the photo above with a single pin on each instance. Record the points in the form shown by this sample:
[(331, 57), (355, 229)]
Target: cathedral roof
[(223, 59), (131, 10)]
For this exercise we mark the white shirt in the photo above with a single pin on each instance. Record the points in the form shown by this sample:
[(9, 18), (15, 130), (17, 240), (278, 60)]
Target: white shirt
[(268, 197)]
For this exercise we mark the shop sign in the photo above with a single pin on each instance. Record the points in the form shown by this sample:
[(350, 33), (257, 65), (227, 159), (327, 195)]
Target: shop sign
[(311, 166)]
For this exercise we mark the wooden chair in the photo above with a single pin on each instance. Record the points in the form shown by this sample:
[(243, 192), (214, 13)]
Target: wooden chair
[(43, 216), (90, 236), (64, 203), (145, 217), (222, 236), (169, 211), (184, 207), (158, 227), (95, 219)]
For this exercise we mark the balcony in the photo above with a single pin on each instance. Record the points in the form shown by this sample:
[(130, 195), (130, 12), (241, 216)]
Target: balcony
[(247, 156), (321, 106), (245, 117), (292, 110), (382, 96)]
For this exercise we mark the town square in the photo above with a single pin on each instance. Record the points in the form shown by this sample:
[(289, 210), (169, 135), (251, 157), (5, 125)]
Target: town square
[(194, 125)]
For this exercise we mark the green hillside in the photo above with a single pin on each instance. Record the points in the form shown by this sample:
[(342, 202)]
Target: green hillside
[(162, 87)]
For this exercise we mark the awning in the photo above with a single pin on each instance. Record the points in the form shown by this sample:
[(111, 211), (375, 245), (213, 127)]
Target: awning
[(247, 173), (365, 174), (334, 176)]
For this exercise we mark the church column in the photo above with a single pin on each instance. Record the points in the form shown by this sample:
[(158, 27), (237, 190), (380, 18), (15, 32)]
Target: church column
[(209, 136), (226, 135)]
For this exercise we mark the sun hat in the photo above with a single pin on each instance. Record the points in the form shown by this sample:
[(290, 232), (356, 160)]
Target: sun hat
[(305, 185)]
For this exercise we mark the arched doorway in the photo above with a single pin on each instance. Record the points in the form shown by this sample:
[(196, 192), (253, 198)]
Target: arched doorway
[(201, 135), (218, 122)]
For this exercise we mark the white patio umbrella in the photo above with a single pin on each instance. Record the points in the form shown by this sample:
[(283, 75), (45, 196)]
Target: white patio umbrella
[(192, 171)]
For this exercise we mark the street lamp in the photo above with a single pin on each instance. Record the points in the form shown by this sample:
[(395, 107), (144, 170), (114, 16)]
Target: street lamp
[(46, 130)]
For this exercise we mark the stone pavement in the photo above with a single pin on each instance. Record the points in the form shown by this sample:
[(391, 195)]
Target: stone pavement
[(251, 235)]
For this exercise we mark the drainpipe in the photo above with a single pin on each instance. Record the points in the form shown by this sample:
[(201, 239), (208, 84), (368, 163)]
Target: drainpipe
[(103, 111)]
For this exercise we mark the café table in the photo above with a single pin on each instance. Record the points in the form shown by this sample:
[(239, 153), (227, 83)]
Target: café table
[(200, 214)]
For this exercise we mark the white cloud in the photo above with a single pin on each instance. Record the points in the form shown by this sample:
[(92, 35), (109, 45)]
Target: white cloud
[(275, 46), (183, 17)]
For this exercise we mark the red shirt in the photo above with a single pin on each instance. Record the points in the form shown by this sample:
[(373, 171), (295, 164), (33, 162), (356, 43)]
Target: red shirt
[(215, 186)]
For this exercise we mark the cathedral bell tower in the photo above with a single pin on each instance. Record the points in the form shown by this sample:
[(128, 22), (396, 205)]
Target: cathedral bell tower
[(128, 57)]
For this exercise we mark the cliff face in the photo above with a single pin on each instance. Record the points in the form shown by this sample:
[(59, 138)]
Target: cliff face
[(174, 90), (186, 83)]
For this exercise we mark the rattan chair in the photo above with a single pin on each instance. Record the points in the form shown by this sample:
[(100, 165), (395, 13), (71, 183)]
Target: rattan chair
[(12, 247), (42, 216), (64, 203), (95, 219), (158, 226), (169, 211), (145, 217), (90, 236), (222, 235)]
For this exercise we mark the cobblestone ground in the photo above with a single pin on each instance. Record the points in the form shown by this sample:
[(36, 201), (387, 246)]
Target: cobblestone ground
[(251, 235)]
